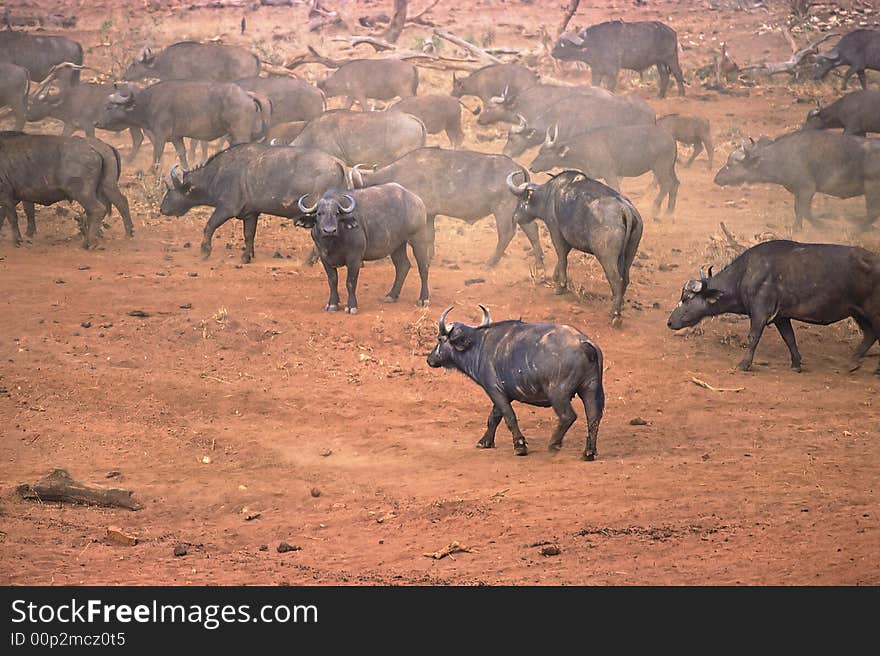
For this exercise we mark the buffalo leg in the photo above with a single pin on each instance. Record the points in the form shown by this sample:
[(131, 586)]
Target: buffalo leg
[(560, 274), (663, 72), (95, 213), (531, 230), (803, 210), (111, 192), (520, 447), (218, 218), (420, 251), (488, 439), (30, 213), (868, 339), (609, 263), (567, 416), (787, 332), (678, 75), (177, 142), (352, 270), (593, 401), (432, 232), (710, 151), (863, 78), (333, 284), (312, 258), (756, 329), (402, 266), (698, 148), (137, 138), (250, 231), (506, 229), (8, 209), (158, 149)]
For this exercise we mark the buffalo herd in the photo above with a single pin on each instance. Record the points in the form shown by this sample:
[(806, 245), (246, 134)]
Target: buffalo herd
[(368, 186)]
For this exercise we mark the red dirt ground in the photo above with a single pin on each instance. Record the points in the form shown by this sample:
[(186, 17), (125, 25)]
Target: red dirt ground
[(334, 429)]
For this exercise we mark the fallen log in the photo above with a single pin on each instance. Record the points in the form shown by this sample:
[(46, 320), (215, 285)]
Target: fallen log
[(479, 53), (791, 65), (60, 486)]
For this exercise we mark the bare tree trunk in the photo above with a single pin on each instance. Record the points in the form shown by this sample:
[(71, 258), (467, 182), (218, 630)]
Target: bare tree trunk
[(572, 8), (397, 21)]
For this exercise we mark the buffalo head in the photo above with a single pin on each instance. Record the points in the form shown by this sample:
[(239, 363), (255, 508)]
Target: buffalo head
[(454, 339), (114, 115), (180, 193), (698, 300), (568, 47), (141, 66), (742, 164), (553, 152), (328, 214), (521, 137)]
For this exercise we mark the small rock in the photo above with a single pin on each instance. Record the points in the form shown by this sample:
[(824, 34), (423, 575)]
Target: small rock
[(113, 474), (84, 267), (59, 281), (86, 324), (193, 274), (283, 547), (474, 281), (277, 255), (264, 547), (179, 551), (116, 535), (705, 456), (326, 452), (187, 245), (551, 550), (206, 460), (106, 325), (138, 313), (638, 421), (655, 306), (315, 492), (186, 306)]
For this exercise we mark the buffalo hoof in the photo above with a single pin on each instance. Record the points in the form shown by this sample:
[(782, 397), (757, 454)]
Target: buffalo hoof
[(485, 444), (855, 365), (589, 456), (796, 367), (493, 261), (331, 307), (554, 447), (351, 310), (560, 290), (30, 234), (617, 321), (520, 448), (389, 299), (129, 234), (423, 302), (205, 252), (744, 366)]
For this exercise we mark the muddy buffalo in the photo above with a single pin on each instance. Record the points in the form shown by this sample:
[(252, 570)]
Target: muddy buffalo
[(189, 60), (44, 169), (780, 281), (462, 184), (248, 180), (584, 214), (612, 45), (376, 79), (810, 161), (352, 227), (541, 364)]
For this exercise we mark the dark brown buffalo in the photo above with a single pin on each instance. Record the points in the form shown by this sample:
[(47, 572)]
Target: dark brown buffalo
[(859, 50), (39, 53), (857, 113)]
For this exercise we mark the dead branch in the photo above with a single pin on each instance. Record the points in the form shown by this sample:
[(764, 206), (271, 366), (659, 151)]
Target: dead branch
[(419, 18), (705, 385), (478, 53), (572, 8), (734, 244), (791, 65), (448, 550), (398, 21), (378, 44), (314, 57), (59, 486), (320, 17), (432, 59)]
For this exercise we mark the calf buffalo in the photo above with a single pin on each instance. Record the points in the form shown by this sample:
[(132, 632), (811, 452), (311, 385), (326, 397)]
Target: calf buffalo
[(463, 184), (492, 80), (378, 79), (189, 60), (44, 169), (857, 113), (542, 364), (810, 161), (439, 113), (614, 153), (859, 49), (368, 224), (690, 131), (586, 215), (777, 281), (612, 45), (247, 180)]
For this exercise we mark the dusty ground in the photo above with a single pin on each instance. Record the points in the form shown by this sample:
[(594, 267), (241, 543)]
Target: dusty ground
[(334, 429)]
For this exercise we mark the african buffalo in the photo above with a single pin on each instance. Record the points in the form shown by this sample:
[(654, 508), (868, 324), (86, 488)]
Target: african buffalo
[(462, 184), (777, 281), (859, 49), (378, 79), (292, 99), (170, 111), (607, 47), (247, 180), (189, 60), (542, 364), (586, 215), (39, 53), (368, 224), (439, 113), (370, 138), (44, 169), (810, 161), (690, 131), (857, 113), (614, 153), (492, 80), (532, 102), (14, 82)]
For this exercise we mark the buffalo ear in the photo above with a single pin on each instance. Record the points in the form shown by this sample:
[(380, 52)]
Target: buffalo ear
[(459, 340), (307, 221), (712, 295), (349, 222)]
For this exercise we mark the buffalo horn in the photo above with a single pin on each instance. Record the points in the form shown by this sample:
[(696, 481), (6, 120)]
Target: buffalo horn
[(444, 330), (350, 208), (486, 318), (303, 208), (518, 189)]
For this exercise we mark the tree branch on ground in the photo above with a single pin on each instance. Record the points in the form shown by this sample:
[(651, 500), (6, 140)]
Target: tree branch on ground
[(792, 64), (572, 9)]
